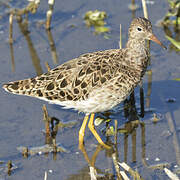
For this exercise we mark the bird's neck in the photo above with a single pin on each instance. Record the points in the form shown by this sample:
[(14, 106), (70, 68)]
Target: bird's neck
[(137, 52), (138, 45)]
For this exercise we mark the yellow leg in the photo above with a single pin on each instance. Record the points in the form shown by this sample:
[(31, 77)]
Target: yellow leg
[(96, 135), (82, 131)]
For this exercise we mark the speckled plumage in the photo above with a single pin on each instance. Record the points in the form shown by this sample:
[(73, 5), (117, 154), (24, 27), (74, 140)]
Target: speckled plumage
[(93, 82)]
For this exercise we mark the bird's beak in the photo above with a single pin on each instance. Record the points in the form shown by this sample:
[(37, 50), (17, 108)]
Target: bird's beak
[(155, 39)]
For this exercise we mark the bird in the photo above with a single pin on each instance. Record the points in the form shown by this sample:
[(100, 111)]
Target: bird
[(94, 82)]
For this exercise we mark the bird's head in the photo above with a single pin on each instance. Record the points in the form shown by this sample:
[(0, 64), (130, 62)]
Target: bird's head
[(141, 29)]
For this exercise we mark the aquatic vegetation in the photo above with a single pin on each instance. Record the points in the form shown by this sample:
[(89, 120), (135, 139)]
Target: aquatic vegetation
[(172, 16), (96, 19), (177, 79), (174, 42)]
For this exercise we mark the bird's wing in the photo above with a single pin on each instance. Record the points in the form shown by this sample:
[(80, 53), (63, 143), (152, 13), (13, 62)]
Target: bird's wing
[(73, 80)]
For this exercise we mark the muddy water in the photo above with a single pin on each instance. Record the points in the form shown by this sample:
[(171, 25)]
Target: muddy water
[(144, 146)]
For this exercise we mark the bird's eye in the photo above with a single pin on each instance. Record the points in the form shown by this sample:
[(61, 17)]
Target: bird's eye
[(139, 29)]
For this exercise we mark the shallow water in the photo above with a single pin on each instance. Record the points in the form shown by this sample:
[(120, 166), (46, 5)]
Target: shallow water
[(21, 118)]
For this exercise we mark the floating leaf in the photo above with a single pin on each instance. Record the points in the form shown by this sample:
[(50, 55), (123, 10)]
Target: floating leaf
[(95, 15), (96, 19), (173, 41), (101, 29), (177, 79)]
